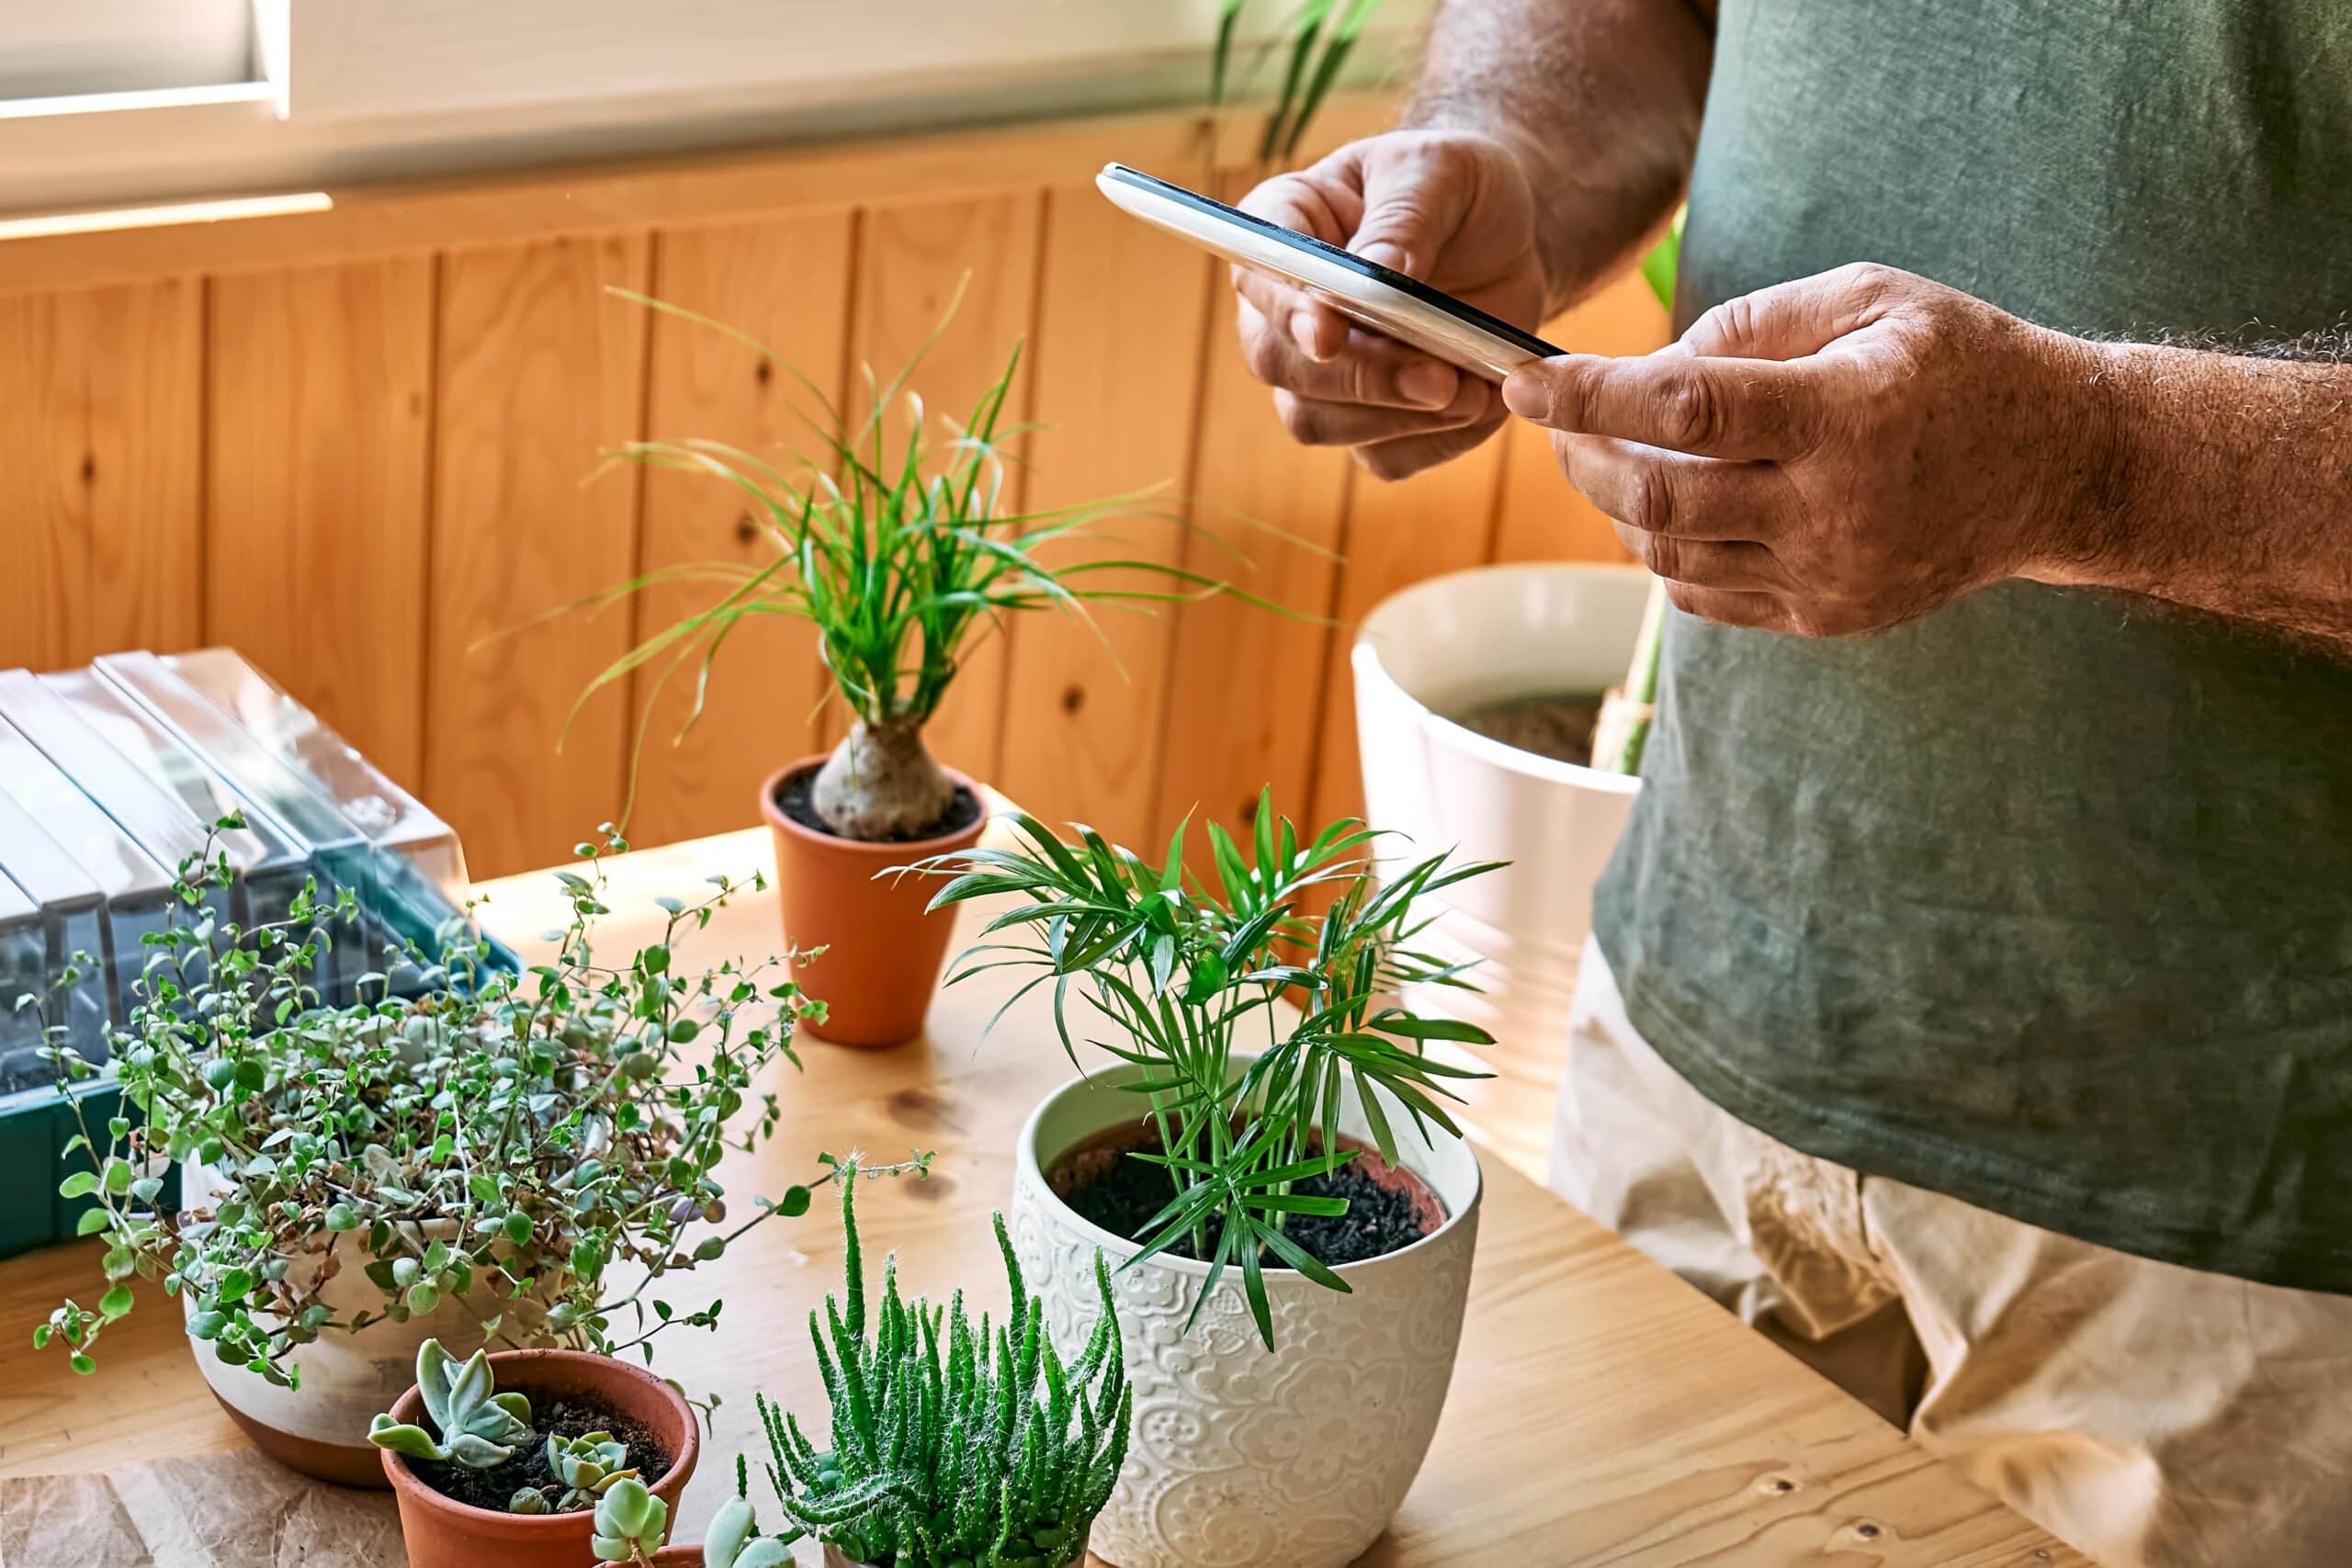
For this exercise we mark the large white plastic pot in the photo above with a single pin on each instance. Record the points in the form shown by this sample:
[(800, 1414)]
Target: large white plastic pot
[(1242, 1456), (1452, 643)]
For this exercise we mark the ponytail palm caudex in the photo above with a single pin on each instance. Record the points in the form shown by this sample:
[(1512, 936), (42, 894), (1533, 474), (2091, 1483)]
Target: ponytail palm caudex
[(954, 1444), (1183, 977), (904, 552)]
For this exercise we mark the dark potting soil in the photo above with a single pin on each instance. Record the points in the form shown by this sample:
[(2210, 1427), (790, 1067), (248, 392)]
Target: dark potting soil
[(793, 796), (31, 1074), (574, 1415), (1557, 725), (1379, 1219)]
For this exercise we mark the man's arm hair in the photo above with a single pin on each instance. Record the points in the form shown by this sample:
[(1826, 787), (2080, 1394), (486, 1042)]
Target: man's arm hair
[(2224, 482), (1599, 98)]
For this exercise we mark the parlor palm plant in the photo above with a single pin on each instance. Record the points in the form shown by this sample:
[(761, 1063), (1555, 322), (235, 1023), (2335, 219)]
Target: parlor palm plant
[(1188, 977)]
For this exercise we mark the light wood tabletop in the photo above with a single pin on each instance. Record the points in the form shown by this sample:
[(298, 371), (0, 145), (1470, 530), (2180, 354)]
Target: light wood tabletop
[(1601, 1411)]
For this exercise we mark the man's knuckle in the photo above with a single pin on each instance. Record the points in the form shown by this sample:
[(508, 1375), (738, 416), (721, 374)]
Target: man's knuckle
[(1665, 557), (1692, 414), (1261, 354), (1648, 501), (1302, 419)]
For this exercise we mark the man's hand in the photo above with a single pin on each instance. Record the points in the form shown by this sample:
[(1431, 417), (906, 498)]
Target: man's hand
[(1837, 453), (1452, 208)]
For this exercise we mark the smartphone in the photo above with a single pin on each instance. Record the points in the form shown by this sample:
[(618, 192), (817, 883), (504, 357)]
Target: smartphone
[(1368, 294)]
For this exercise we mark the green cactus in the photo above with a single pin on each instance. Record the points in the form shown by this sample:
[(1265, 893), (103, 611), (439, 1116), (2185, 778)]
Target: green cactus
[(953, 1443), (477, 1425), (589, 1465), (632, 1524)]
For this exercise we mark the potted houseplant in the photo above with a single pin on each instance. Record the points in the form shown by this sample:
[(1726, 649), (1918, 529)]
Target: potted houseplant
[(1269, 1163), (480, 1156), (578, 1458), (952, 1443), (903, 555)]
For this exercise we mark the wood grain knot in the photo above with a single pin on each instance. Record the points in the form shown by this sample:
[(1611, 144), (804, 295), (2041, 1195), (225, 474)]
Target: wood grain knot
[(1073, 698), (746, 529), (924, 1108)]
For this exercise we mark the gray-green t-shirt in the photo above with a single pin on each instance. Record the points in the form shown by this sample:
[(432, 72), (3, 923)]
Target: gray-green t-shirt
[(2044, 900)]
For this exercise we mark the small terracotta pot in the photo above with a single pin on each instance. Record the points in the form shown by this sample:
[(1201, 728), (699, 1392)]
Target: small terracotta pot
[(882, 953), (442, 1532)]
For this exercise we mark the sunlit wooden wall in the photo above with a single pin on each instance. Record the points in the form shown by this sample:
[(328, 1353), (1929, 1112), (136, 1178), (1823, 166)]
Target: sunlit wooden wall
[(356, 445)]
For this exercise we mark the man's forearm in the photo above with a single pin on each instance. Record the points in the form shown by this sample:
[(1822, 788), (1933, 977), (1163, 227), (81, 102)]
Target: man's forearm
[(1602, 100), (2225, 485)]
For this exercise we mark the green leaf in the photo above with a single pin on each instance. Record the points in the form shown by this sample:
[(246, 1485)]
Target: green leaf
[(80, 1184), (115, 1302)]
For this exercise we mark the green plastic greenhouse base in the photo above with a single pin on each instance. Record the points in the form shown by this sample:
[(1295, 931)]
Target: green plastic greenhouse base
[(33, 1129)]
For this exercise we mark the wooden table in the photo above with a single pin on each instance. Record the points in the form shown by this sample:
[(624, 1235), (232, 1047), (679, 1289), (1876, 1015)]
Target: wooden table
[(1601, 1411)]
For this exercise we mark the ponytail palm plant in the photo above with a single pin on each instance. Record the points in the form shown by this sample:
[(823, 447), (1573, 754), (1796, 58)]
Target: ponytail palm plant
[(904, 552), (1185, 978)]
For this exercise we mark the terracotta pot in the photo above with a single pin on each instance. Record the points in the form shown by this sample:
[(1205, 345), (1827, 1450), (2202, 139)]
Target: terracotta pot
[(442, 1532), (1299, 1455), (347, 1377), (883, 952)]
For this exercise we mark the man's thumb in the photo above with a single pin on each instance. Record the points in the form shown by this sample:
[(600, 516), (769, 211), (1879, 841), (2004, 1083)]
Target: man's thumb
[(1787, 321)]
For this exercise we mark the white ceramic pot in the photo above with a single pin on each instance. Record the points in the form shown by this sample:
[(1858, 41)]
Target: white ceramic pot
[(1241, 1456), (1455, 642), (321, 1428)]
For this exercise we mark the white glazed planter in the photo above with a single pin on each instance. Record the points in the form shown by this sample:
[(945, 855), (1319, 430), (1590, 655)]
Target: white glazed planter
[(1241, 1456), (1454, 642), (322, 1428)]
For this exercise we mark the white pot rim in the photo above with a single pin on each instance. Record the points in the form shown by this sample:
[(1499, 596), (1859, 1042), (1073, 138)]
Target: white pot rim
[(1364, 657), (1113, 1245)]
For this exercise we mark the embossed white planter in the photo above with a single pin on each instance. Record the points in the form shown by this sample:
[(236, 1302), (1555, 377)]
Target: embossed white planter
[(1241, 1456), (321, 1430)]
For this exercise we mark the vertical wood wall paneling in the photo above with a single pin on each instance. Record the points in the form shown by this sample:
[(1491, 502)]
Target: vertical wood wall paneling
[(541, 371), (786, 284), (1543, 518), (320, 385), (911, 257), (1438, 521), (101, 420), (1246, 685), (1116, 390)]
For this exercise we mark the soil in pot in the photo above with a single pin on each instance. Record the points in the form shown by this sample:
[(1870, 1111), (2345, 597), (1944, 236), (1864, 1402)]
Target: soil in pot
[(572, 1415), (1389, 1208), (1557, 725), (792, 797)]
